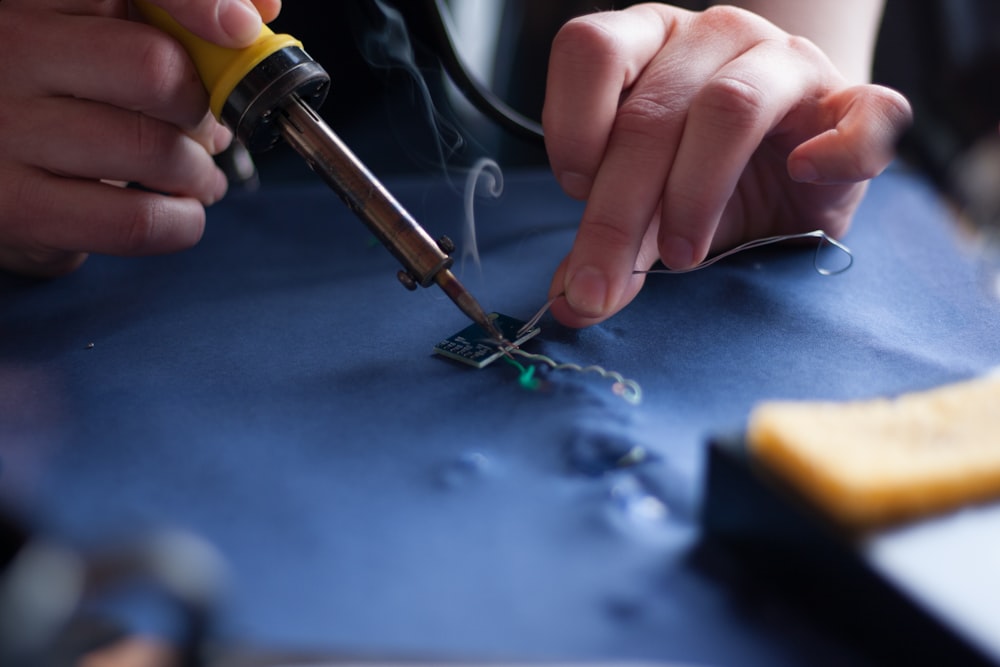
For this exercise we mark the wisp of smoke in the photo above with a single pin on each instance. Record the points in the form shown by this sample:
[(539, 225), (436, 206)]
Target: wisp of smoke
[(486, 177), (389, 47)]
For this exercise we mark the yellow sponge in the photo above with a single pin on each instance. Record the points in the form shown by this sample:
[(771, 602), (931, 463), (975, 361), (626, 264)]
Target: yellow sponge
[(884, 460)]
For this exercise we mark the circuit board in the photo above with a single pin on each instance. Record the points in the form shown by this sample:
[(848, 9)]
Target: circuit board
[(478, 349)]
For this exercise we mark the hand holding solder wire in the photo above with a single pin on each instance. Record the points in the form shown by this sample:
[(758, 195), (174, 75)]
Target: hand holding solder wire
[(89, 101), (688, 133)]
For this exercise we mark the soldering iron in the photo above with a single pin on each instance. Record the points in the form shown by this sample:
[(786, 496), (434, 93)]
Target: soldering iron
[(270, 90)]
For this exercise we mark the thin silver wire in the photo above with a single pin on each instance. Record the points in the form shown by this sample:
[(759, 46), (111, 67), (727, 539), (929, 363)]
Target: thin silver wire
[(824, 240), (533, 322), (627, 389)]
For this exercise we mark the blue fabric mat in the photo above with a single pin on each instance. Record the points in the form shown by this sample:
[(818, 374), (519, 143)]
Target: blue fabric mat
[(273, 390)]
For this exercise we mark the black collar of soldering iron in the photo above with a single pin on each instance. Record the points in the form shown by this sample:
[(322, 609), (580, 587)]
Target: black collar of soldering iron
[(429, 23)]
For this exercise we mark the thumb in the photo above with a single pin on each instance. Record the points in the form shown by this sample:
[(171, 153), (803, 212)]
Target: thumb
[(869, 121), (229, 23)]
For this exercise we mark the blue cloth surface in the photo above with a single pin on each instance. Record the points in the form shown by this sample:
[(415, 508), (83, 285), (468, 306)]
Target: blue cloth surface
[(273, 390)]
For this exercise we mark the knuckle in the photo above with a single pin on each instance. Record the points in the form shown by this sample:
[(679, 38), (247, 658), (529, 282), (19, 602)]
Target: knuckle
[(587, 44), (738, 101), (156, 225), (644, 117), (586, 39), (602, 232), (169, 159), (723, 15), (727, 19), (21, 201), (804, 48), (139, 232), (161, 71), (696, 206), (152, 140)]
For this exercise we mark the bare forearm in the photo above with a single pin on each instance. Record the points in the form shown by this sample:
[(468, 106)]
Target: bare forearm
[(845, 30)]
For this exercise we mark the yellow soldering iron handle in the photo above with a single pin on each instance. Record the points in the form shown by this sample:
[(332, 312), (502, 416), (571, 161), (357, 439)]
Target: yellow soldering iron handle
[(246, 85), (270, 90)]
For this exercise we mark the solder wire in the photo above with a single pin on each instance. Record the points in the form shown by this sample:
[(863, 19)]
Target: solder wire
[(627, 389), (624, 387), (630, 389), (824, 240)]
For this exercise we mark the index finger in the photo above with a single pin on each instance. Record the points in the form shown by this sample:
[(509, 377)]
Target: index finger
[(589, 68)]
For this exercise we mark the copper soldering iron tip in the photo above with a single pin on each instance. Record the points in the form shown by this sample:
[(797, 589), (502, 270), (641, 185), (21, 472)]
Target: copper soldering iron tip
[(447, 281)]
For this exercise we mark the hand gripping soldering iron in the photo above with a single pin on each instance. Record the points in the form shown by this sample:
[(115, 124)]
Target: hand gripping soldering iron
[(270, 90)]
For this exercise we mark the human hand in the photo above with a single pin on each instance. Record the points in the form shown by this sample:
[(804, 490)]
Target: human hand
[(232, 23), (687, 133), (90, 100)]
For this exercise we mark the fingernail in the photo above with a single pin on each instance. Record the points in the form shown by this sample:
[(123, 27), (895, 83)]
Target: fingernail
[(677, 253), (587, 292), (240, 21), (575, 185), (803, 171)]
